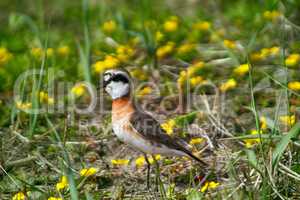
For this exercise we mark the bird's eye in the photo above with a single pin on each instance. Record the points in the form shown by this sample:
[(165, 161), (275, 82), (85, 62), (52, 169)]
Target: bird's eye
[(106, 77)]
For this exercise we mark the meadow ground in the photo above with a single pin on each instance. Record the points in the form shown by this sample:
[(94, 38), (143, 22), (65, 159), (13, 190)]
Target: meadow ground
[(222, 75)]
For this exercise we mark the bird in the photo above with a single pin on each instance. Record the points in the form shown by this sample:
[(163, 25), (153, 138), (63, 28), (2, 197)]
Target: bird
[(136, 127)]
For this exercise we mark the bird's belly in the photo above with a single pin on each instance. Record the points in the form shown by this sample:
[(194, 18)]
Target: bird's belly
[(139, 143), (132, 139)]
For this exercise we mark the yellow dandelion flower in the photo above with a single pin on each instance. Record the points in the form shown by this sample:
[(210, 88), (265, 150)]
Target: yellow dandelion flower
[(140, 161), (209, 185), (99, 67), (185, 48), (263, 123), (37, 52), (111, 62), (159, 36), (23, 105), (230, 84), (124, 53), (171, 25), (182, 78), (165, 50), (292, 60), (109, 26), (49, 52), (44, 98), (139, 74), (256, 56), (295, 85), (230, 44), (242, 69), (54, 198), (19, 196), (5, 55), (274, 50), (252, 141), (272, 15), (88, 171), (120, 161), (62, 184), (192, 69), (168, 126), (63, 51), (157, 157), (288, 120), (194, 141), (78, 90), (202, 26), (145, 91), (196, 81)]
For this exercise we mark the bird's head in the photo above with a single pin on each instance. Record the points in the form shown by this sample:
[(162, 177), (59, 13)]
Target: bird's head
[(117, 83)]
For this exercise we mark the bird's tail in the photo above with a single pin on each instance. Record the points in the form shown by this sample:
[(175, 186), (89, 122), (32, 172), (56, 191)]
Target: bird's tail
[(190, 154)]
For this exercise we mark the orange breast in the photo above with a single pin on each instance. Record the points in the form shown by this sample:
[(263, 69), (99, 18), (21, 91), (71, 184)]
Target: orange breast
[(122, 108)]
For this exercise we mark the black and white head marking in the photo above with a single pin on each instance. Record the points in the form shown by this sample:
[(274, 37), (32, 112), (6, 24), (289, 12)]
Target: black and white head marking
[(116, 83)]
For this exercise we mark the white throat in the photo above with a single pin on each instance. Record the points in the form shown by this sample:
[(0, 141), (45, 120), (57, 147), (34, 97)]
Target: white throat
[(117, 89)]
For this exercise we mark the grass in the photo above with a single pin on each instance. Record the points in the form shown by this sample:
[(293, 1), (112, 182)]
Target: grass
[(187, 62)]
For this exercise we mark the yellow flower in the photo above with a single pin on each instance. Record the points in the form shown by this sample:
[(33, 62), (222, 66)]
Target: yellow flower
[(295, 85), (54, 198), (120, 162), (62, 184), (5, 55), (37, 52), (145, 91), (165, 50), (209, 185), (111, 62), (168, 126), (242, 69), (230, 84), (63, 51), (192, 69), (288, 120), (229, 44), (151, 160), (171, 25), (140, 161), (109, 26), (49, 52), (88, 171), (185, 48), (196, 140), (256, 57), (274, 50), (272, 15), (292, 60), (19, 196), (202, 26), (23, 105), (196, 80), (159, 36), (182, 78), (44, 98), (124, 52), (139, 74), (78, 90), (263, 123), (108, 63), (252, 141)]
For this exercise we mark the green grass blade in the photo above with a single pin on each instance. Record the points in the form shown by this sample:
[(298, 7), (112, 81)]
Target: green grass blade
[(282, 145)]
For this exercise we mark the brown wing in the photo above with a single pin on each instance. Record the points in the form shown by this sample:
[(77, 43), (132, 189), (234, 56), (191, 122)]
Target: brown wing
[(150, 128)]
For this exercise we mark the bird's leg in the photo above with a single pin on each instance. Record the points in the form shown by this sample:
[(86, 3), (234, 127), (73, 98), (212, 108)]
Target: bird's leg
[(148, 171), (159, 184)]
